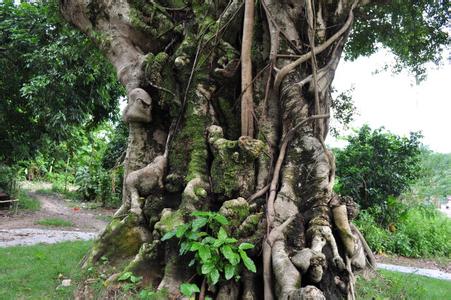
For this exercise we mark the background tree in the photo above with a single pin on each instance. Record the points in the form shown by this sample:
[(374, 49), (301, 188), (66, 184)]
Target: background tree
[(377, 164), (435, 183), (53, 78), (273, 176)]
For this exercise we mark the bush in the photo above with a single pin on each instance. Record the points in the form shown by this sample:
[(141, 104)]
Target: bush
[(100, 185), (28, 203), (8, 179), (420, 231), (375, 165)]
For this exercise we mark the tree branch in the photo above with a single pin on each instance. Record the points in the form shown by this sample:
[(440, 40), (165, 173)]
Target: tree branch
[(303, 58), (247, 102)]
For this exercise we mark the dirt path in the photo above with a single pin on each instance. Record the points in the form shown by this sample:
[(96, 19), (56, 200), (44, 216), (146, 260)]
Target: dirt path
[(420, 263), (22, 228), (432, 273)]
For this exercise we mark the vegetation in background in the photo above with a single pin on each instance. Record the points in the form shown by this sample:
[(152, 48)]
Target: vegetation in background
[(414, 31), (88, 162), (33, 272), (8, 179), (418, 231), (53, 78), (376, 168), (28, 203), (394, 285), (55, 222), (435, 183), (377, 164)]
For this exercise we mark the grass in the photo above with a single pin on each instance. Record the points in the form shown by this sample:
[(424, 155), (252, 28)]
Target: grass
[(394, 285), (32, 272), (105, 218), (418, 231), (55, 222), (28, 203)]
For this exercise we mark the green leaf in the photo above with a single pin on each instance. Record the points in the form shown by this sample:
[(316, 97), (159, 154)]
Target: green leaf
[(168, 235), (222, 234), (199, 223), (180, 231), (218, 243), (184, 247), (230, 255), (125, 276), (195, 246), (220, 219), (188, 289), (214, 276), (207, 267), (192, 262), (245, 246), (229, 271), (248, 263), (201, 214), (204, 253), (230, 241), (208, 240), (135, 279), (192, 235)]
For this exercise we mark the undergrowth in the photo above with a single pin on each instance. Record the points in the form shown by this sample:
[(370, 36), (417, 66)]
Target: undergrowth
[(394, 285), (36, 272), (419, 231), (27, 203), (55, 222)]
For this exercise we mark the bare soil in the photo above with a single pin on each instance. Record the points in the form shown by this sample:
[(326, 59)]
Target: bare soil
[(89, 221)]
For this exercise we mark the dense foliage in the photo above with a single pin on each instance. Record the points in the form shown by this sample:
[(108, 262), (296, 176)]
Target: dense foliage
[(377, 164), (419, 231), (84, 162), (435, 183), (415, 31), (53, 78)]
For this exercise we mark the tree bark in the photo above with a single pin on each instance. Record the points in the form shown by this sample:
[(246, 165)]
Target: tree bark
[(179, 62)]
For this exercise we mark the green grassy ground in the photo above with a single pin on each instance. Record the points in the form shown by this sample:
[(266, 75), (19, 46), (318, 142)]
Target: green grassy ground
[(394, 285), (28, 203), (55, 222), (32, 272)]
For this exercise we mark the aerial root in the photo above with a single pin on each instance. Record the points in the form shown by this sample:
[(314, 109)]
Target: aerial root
[(366, 248), (340, 216)]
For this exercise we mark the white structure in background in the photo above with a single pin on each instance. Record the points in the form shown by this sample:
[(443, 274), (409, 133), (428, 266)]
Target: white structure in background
[(446, 207)]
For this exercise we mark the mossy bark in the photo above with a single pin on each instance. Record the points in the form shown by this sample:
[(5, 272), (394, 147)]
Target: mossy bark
[(275, 186)]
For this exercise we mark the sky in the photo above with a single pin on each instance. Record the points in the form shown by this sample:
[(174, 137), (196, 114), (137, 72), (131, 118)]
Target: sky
[(396, 102)]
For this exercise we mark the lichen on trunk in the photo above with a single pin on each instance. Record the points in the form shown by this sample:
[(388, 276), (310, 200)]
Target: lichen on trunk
[(180, 63)]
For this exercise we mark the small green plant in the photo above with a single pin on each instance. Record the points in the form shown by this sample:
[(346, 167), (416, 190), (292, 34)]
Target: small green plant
[(216, 254), (419, 231), (28, 203), (131, 282), (55, 222)]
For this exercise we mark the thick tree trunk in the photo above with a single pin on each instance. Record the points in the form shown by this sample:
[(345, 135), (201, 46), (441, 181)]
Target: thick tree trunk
[(179, 61)]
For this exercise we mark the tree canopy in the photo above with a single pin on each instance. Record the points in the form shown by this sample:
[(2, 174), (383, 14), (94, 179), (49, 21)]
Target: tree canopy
[(53, 78), (377, 164), (415, 31)]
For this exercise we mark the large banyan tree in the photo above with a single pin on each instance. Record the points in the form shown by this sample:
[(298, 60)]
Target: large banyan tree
[(228, 109)]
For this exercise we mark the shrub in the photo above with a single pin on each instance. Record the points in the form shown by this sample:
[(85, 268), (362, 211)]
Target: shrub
[(421, 231), (8, 179), (217, 256), (377, 164), (100, 185), (28, 203)]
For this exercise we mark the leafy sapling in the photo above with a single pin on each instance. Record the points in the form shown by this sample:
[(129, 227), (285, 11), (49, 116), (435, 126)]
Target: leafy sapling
[(217, 256)]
